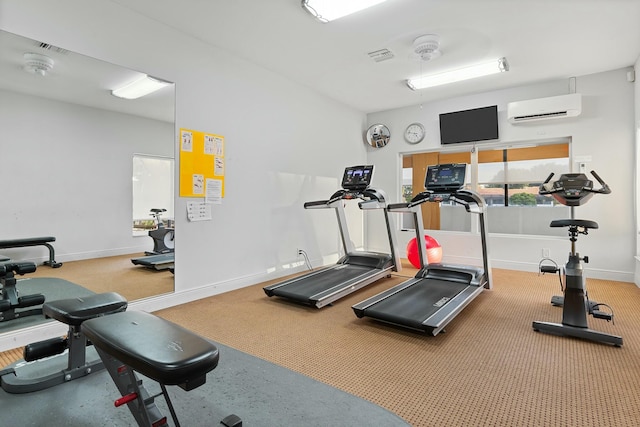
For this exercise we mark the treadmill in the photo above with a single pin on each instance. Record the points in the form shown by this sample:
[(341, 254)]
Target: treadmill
[(156, 262), (438, 292), (355, 269)]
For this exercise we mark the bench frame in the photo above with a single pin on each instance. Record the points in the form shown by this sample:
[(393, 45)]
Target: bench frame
[(34, 241)]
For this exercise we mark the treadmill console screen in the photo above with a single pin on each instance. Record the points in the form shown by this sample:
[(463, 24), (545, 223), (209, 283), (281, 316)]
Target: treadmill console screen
[(445, 178), (357, 177)]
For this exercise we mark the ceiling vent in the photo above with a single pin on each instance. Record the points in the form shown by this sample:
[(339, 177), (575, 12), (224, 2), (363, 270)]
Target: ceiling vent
[(381, 55), (51, 48), (554, 107), (36, 63)]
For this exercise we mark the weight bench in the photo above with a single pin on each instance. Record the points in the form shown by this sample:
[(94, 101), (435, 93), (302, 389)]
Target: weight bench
[(50, 371), (135, 341), (34, 241), (10, 300)]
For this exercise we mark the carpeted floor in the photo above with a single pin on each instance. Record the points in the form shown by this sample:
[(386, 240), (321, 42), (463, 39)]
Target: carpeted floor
[(112, 274), (489, 368), (260, 393)]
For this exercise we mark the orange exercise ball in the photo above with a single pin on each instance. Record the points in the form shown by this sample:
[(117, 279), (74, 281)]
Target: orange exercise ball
[(434, 251)]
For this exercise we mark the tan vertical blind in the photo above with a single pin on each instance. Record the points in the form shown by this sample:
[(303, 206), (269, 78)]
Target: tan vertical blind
[(430, 211)]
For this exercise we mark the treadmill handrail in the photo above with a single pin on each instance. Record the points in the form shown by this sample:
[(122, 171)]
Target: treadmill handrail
[(318, 204)]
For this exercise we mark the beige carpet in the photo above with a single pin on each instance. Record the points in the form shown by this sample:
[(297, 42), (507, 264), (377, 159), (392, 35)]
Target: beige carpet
[(115, 274), (489, 368)]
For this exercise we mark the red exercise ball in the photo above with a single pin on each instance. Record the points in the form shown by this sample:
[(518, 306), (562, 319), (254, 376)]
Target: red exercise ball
[(434, 251)]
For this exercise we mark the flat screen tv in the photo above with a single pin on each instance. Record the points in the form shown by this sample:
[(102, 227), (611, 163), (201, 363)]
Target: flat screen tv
[(478, 124)]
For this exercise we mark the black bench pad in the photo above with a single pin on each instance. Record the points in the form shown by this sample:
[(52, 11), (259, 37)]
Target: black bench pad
[(74, 311), (154, 347), (30, 241)]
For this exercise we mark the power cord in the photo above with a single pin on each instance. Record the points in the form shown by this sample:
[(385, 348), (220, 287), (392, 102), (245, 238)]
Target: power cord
[(306, 259)]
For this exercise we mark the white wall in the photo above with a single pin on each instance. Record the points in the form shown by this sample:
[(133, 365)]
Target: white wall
[(68, 170), (285, 144), (636, 85), (604, 132)]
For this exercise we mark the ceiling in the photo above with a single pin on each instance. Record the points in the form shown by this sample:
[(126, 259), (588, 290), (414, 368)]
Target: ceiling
[(541, 39), (77, 79)]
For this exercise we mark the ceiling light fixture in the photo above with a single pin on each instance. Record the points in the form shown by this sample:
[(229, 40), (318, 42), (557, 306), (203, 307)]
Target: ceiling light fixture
[(483, 69), (141, 87), (329, 10)]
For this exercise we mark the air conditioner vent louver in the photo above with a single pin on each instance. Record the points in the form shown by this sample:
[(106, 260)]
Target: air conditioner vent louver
[(541, 116), (555, 107)]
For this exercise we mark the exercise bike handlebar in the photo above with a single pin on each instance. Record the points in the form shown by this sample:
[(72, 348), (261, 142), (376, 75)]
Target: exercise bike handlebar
[(546, 188), (604, 188)]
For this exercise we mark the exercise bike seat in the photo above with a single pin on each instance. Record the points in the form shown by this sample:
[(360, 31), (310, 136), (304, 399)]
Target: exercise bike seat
[(154, 347), (74, 311), (584, 223)]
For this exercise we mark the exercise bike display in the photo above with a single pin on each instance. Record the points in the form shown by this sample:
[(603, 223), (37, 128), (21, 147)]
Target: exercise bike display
[(575, 189)]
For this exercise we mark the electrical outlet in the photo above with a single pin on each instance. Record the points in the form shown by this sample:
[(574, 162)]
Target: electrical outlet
[(545, 253)]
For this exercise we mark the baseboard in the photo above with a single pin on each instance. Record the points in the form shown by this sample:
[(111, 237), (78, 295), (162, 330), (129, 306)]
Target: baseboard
[(594, 273), (182, 297)]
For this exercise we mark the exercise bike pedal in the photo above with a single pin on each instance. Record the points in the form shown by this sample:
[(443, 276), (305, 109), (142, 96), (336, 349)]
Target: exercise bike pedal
[(597, 314), (557, 300)]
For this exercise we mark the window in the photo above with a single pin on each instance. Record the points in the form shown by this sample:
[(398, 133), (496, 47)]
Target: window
[(507, 178), (511, 176), (152, 188)]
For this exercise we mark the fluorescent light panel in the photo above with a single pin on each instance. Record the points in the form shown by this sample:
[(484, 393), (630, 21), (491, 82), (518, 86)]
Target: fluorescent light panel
[(329, 10), (141, 87), (479, 70)]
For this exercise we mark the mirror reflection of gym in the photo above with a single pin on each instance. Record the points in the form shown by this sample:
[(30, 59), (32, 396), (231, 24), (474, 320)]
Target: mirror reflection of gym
[(71, 145)]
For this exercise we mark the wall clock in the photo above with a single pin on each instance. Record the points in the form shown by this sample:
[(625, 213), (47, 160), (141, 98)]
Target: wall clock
[(414, 133)]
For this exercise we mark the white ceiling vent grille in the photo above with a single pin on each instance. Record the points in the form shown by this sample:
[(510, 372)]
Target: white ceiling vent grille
[(381, 55), (51, 48)]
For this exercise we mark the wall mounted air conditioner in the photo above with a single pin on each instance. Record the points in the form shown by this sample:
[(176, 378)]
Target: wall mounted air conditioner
[(555, 107)]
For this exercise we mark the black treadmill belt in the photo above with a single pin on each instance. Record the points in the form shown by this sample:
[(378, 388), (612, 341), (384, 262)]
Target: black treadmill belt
[(413, 305), (154, 259), (308, 286)]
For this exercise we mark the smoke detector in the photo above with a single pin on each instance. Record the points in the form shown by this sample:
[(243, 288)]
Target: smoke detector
[(36, 63), (427, 47)]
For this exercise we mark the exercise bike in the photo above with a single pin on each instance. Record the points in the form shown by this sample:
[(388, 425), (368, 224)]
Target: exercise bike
[(163, 237), (575, 189)]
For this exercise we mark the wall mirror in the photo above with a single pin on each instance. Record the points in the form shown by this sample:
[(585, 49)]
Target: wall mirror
[(68, 148), (378, 135)]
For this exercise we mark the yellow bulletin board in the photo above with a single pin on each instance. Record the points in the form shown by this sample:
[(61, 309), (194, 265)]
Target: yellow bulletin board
[(201, 164)]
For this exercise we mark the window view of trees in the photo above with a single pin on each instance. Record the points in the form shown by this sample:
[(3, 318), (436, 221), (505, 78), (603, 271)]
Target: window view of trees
[(507, 178)]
